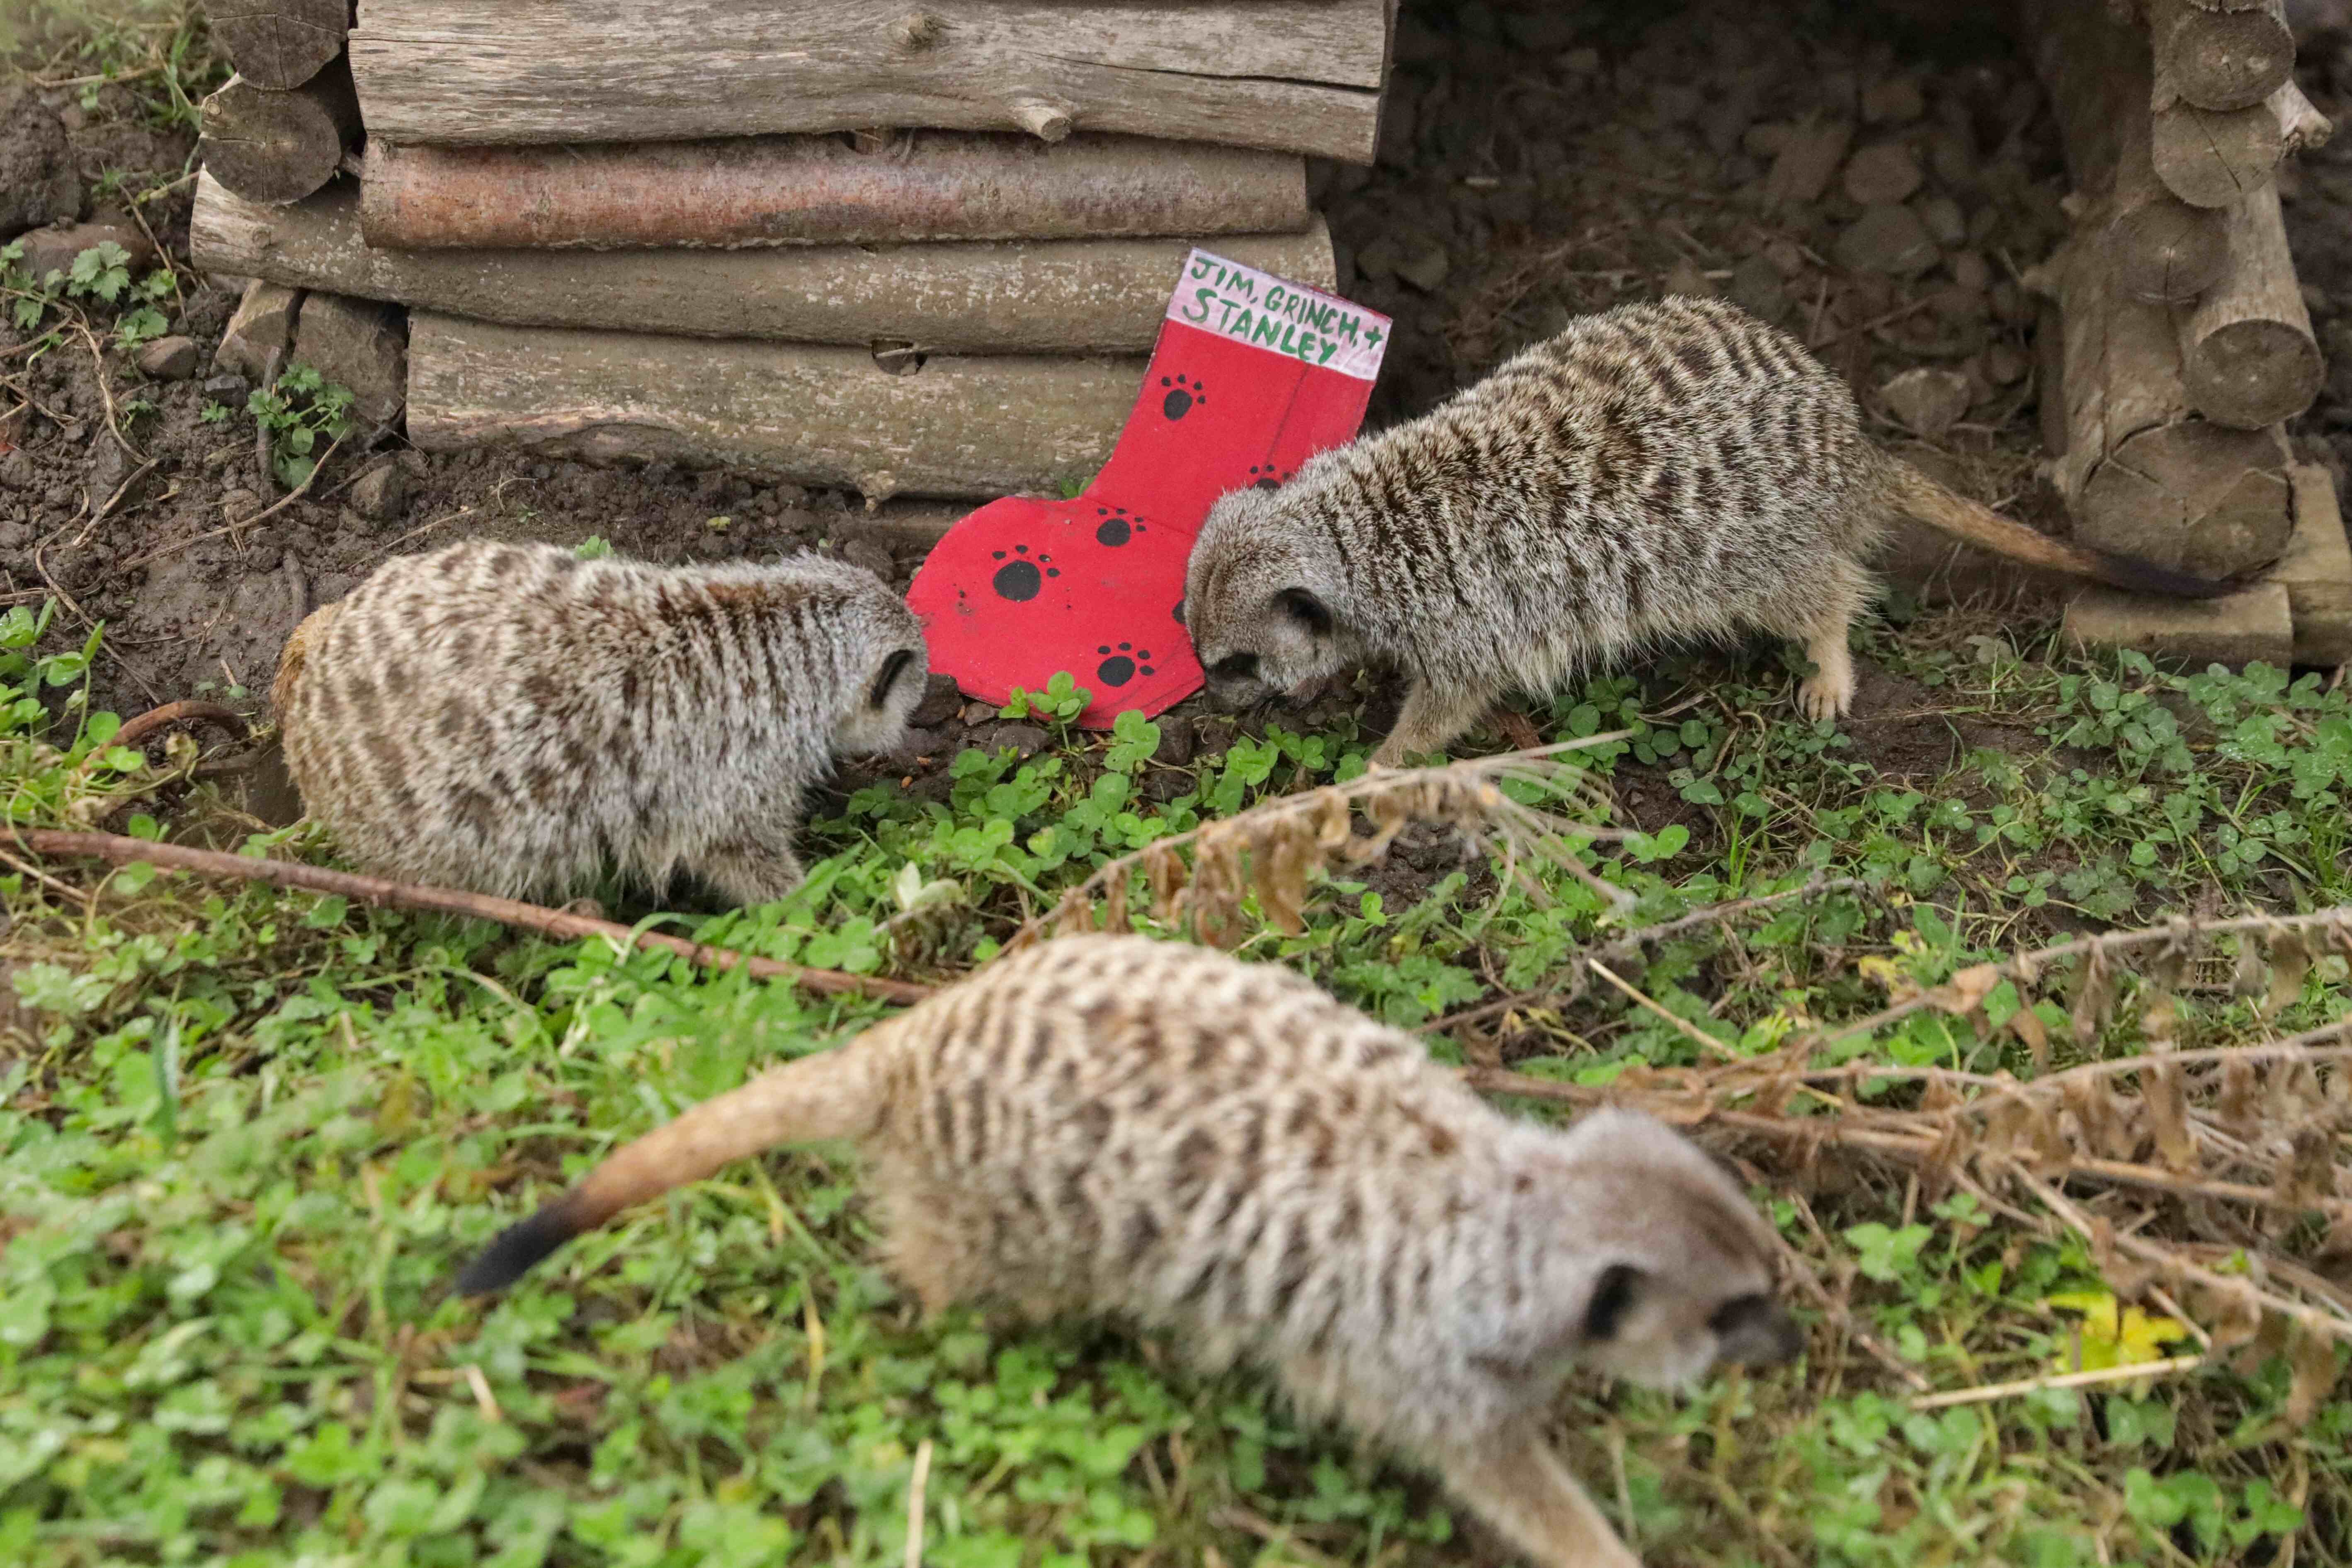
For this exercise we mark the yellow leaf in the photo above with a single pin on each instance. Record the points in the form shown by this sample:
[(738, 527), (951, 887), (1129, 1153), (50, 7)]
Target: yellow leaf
[(2128, 1337)]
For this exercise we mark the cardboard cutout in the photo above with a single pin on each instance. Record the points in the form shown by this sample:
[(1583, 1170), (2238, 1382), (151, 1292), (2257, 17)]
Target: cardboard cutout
[(1252, 375)]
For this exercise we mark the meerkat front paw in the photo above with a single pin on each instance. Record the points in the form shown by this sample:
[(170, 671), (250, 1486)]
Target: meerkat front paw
[(1820, 696)]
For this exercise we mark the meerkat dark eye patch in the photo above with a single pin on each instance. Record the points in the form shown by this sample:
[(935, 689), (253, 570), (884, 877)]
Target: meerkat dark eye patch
[(1235, 667), (891, 669), (1613, 1298), (1305, 609)]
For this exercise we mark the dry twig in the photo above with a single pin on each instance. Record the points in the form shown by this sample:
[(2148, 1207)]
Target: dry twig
[(557, 923)]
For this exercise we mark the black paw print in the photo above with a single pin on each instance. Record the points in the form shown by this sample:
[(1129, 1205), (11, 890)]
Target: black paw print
[(1116, 527), (1184, 394), (1021, 579), (1266, 479), (1123, 666)]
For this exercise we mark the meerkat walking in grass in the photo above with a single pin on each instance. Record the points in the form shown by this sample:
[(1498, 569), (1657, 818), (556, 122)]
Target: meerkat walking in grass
[(1158, 1132), (1656, 471), (512, 720)]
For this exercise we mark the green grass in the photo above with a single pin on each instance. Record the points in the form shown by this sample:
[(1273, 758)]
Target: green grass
[(248, 1136)]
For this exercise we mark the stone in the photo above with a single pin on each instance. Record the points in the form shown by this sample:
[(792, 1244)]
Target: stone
[(361, 345), (939, 703), (2316, 570), (1893, 101), (1882, 173), (38, 185), (108, 468), (873, 555), (1686, 278), (1025, 740), (2238, 629), (1425, 265), (380, 494), (1928, 400), (1377, 258), (1808, 161), (262, 323), (53, 250), (1756, 288), (2004, 365), (169, 359), (1177, 741), (237, 505), (1971, 270), (1887, 239), (1943, 220)]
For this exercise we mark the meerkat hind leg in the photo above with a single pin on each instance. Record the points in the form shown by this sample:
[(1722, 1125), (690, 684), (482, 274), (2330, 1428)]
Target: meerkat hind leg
[(1431, 716), (749, 869), (1819, 618), (1518, 1485)]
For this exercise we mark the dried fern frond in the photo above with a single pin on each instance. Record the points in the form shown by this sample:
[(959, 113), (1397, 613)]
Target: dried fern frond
[(1275, 849)]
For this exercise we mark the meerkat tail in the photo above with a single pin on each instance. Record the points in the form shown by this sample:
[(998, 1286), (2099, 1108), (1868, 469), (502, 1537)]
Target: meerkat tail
[(1976, 523), (297, 653), (833, 1094)]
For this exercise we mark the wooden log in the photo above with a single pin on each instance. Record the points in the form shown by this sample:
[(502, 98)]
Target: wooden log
[(2218, 59), (2247, 352), (280, 146), (1044, 296), (2212, 158), (956, 427), (2143, 474), (279, 45), (1292, 75), (819, 190), (2096, 70)]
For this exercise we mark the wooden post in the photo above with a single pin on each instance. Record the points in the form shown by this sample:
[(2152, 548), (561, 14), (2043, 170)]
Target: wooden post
[(2218, 59), (279, 45), (280, 146), (820, 190), (2142, 473), (955, 427), (1292, 76), (1061, 295), (2097, 72), (2247, 352)]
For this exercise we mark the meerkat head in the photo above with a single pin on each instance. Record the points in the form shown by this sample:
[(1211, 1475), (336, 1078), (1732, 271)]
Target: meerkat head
[(1679, 1276), (883, 669), (1258, 603)]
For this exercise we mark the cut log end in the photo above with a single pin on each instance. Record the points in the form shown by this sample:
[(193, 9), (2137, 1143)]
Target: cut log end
[(2167, 252), (279, 147), (279, 45), (1046, 122), (2218, 59), (2254, 374)]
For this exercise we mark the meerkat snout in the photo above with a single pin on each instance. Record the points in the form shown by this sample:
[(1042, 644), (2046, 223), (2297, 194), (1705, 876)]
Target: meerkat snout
[(878, 724), (1259, 622)]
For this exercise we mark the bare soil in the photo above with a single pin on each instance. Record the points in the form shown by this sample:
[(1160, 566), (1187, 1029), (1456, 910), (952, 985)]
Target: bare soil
[(1537, 161)]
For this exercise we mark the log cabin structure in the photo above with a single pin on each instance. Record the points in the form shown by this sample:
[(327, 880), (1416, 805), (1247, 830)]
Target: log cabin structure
[(921, 246)]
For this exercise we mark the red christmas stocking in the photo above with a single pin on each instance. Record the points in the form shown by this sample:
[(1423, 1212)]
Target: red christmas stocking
[(1252, 375)]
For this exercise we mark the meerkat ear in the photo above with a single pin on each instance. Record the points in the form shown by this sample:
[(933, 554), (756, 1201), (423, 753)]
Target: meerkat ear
[(1305, 609), (891, 668), (1613, 1294)]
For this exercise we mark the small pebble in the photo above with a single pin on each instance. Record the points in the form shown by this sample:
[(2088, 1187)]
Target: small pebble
[(170, 359), (1887, 239), (1943, 220), (1928, 400), (1885, 172), (1893, 101)]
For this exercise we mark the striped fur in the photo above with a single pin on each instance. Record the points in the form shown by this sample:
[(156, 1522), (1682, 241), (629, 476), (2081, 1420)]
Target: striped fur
[(1659, 470), (512, 720), (1160, 1132)]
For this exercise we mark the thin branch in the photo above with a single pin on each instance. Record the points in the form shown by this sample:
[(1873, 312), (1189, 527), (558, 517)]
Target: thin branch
[(1991, 1391), (556, 923)]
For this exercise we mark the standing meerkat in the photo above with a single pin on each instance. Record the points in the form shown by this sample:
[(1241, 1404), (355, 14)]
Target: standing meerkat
[(1658, 471), (511, 719), (1154, 1131)]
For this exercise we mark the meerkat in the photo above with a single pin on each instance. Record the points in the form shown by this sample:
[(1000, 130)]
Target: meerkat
[(1658, 471), (1161, 1133), (513, 720)]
